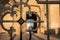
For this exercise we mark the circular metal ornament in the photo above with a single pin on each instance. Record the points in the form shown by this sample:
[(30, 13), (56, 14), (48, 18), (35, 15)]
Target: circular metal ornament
[(38, 21), (8, 12)]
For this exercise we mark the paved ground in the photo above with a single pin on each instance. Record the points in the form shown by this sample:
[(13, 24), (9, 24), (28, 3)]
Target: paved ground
[(45, 37), (26, 37)]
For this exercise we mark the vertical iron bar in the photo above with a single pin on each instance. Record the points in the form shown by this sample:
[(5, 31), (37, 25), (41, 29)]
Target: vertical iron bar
[(48, 38), (11, 36), (20, 8), (59, 14), (30, 35), (20, 32), (21, 17)]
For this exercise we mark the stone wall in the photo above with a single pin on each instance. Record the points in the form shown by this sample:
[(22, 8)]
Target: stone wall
[(41, 11)]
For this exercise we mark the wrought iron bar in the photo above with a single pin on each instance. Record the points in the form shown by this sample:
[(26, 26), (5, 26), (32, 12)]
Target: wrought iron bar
[(8, 20), (20, 32), (20, 8), (48, 2), (47, 12), (20, 21), (30, 35)]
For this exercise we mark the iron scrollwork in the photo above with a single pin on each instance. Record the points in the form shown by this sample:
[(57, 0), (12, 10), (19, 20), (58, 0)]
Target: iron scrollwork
[(20, 21), (11, 30)]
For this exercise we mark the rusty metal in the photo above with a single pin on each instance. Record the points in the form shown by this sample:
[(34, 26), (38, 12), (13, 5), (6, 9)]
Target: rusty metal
[(21, 20), (47, 2)]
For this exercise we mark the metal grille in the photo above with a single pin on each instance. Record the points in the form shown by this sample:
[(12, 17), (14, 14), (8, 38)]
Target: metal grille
[(47, 14), (21, 20)]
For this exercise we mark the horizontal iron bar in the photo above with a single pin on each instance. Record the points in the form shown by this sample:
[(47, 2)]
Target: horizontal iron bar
[(49, 2), (8, 21), (34, 21)]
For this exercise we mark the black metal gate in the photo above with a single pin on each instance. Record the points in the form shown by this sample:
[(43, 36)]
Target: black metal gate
[(21, 20)]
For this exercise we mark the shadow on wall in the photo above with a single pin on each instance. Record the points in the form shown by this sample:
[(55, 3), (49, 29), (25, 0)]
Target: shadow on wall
[(52, 33), (58, 35)]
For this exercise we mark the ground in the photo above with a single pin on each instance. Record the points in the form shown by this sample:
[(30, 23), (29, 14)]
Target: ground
[(26, 37)]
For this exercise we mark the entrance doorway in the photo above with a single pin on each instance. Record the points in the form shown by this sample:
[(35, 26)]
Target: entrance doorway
[(32, 17)]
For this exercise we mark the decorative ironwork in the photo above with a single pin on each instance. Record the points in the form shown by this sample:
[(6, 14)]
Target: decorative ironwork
[(20, 21), (48, 2)]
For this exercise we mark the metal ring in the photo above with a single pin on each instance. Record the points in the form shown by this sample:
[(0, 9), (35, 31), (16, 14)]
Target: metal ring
[(8, 12), (39, 21)]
